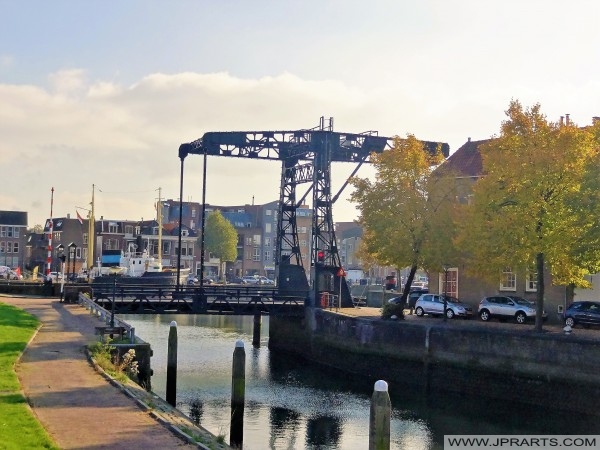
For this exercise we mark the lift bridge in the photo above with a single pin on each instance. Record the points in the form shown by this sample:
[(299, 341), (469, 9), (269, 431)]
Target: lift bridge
[(306, 156)]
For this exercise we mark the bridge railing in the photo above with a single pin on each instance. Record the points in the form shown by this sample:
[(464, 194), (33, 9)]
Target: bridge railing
[(211, 299)]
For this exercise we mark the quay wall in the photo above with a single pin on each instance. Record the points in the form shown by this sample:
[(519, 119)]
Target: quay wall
[(551, 370)]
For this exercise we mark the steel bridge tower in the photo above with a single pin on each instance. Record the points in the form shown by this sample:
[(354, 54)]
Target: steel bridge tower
[(306, 156)]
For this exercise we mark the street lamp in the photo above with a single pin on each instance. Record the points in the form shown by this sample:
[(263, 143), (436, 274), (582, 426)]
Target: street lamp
[(72, 247), (446, 267), (61, 255)]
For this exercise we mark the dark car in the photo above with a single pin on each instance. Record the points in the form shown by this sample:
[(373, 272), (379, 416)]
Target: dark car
[(413, 296), (584, 313)]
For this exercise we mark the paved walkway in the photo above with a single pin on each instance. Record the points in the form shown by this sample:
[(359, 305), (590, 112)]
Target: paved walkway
[(77, 405)]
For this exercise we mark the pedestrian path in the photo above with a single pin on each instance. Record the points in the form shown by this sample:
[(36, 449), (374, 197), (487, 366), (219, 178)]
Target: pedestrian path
[(78, 406)]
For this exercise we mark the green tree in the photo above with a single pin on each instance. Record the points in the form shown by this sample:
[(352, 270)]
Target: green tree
[(528, 210), (405, 213), (220, 237)]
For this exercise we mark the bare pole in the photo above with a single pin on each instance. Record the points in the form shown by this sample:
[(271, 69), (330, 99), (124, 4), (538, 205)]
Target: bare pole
[(50, 226)]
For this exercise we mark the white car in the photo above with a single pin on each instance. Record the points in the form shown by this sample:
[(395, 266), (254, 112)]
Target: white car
[(250, 280), (433, 304), (265, 280)]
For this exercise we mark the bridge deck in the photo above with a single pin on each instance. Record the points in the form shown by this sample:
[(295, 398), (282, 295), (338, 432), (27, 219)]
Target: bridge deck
[(212, 299)]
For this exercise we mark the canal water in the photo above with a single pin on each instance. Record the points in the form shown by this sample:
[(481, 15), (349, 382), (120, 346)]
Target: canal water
[(291, 404)]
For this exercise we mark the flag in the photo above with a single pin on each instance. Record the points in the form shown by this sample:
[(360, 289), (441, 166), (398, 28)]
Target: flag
[(79, 218)]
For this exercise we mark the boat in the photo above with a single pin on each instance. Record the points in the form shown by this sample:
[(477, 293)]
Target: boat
[(140, 268)]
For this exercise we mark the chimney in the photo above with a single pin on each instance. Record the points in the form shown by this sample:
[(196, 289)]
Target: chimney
[(567, 119), (562, 120)]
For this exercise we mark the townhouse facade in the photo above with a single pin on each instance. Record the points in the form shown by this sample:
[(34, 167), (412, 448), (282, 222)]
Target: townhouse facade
[(466, 166), (13, 238)]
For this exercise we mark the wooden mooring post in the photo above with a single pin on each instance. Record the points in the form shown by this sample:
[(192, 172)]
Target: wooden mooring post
[(256, 330), (172, 365), (238, 394)]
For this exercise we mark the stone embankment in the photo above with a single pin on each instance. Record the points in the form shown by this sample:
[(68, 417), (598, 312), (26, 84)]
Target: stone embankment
[(512, 363)]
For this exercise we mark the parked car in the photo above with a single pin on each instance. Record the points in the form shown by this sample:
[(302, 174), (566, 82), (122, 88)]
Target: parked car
[(235, 280), (584, 313), (265, 280), (192, 279), (413, 296), (250, 280), (506, 307), (433, 304), (56, 276)]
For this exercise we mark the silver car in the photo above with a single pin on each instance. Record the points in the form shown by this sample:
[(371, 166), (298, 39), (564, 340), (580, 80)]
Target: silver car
[(506, 307), (433, 304)]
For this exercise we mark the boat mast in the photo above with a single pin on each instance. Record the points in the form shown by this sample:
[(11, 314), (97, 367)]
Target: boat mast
[(159, 213)]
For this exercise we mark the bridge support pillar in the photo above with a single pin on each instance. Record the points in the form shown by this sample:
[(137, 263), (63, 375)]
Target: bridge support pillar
[(256, 330)]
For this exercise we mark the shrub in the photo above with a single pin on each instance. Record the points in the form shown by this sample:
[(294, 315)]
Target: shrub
[(390, 309)]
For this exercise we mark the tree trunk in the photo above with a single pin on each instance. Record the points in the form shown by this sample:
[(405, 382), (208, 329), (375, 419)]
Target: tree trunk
[(539, 300), (409, 280)]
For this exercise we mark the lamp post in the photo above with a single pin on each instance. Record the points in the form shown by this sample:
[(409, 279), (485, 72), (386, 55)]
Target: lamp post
[(61, 255), (72, 247), (445, 267)]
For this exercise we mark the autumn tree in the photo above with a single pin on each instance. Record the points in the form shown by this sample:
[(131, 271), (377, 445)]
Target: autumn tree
[(220, 237), (405, 213), (531, 208)]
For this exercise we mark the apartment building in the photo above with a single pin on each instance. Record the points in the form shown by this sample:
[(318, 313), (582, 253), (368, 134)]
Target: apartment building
[(13, 238)]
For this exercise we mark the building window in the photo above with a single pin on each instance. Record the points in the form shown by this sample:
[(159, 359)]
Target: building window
[(15, 247), (129, 229), (249, 241), (267, 242), (303, 243), (113, 228), (193, 212), (166, 248), (3, 231), (267, 227), (268, 212), (256, 239), (256, 254), (137, 230), (449, 285), (267, 255), (9, 247), (2, 247), (531, 281), (508, 281), (84, 238), (16, 232)]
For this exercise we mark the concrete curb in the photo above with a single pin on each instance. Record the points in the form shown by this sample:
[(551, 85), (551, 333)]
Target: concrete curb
[(171, 418)]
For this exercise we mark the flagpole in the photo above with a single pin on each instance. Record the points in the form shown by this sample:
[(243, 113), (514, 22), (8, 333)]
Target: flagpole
[(50, 226), (91, 237)]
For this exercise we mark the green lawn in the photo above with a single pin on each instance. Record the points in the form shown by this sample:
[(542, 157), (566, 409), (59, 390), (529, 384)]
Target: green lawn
[(18, 427)]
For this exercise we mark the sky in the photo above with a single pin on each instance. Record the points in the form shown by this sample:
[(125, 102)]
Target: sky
[(97, 96)]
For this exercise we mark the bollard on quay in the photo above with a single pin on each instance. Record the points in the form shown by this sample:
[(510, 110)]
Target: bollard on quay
[(379, 424)]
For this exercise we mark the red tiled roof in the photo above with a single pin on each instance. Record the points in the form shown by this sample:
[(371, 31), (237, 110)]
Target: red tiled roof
[(466, 161)]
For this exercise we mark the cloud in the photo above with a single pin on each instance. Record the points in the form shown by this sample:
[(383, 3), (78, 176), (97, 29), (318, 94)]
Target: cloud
[(124, 139)]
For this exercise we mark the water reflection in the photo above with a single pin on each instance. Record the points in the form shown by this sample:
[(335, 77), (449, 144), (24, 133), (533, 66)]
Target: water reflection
[(294, 405)]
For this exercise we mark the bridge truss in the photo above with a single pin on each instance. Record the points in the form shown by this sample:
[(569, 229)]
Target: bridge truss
[(306, 156)]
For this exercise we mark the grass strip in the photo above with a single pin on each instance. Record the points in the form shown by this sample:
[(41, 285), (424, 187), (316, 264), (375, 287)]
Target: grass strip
[(19, 429)]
